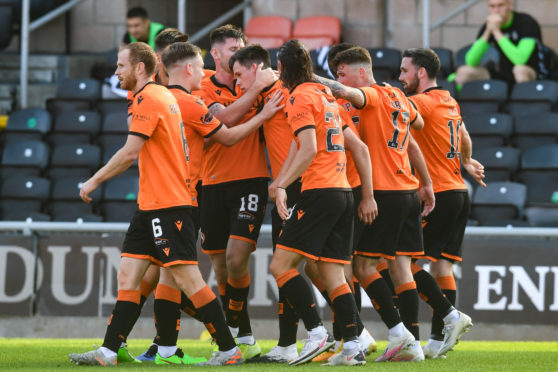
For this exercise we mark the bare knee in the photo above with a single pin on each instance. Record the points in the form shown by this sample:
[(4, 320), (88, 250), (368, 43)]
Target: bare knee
[(238, 258), (219, 267), (466, 73), (364, 267), (311, 269), (524, 73), (400, 270), (283, 261)]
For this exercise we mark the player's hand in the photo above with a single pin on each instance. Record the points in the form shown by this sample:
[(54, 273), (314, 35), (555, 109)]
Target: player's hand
[(273, 105), (367, 210), (87, 188), (281, 203), (494, 22), (476, 170), (272, 191), (426, 196), (264, 77)]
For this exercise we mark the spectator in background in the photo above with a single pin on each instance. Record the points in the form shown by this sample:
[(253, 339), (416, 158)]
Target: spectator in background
[(140, 27), (517, 37)]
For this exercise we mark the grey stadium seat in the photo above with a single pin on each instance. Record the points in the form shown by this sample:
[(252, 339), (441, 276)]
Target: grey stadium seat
[(539, 171), (500, 163), (385, 63), (499, 201), (489, 130), (535, 130), (533, 97), (482, 96), (24, 194), (27, 125), (66, 159), (24, 158), (119, 199)]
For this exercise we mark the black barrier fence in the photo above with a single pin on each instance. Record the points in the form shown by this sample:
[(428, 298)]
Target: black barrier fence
[(503, 279)]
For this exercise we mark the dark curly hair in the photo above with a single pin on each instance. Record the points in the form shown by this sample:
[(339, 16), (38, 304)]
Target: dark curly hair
[(296, 65)]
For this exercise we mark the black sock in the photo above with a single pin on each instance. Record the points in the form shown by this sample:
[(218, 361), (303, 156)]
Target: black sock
[(295, 289), (288, 324), (244, 326), (430, 292), (382, 299), (358, 295), (188, 307), (237, 293), (213, 318), (387, 278), (124, 315), (359, 324), (337, 327), (167, 314), (447, 284), (223, 297), (345, 312), (408, 300)]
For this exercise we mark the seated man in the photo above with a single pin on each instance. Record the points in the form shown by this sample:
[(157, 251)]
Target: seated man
[(140, 28), (517, 37)]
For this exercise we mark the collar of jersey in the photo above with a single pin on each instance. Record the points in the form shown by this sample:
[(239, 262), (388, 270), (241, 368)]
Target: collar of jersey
[(142, 88), (224, 86), (180, 87), (507, 25)]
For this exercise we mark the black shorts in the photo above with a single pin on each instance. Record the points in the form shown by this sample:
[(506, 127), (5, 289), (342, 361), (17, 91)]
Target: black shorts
[(444, 227), (397, 230), (320, 226), (358, 227), (293, 194), (164, 236), (232, 210)]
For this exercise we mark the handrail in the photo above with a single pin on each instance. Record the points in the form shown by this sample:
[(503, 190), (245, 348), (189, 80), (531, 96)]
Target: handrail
[(427, 27), (26, 29), (112, 227)]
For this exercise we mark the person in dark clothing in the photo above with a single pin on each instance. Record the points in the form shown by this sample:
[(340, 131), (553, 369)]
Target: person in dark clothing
[(517, 37)]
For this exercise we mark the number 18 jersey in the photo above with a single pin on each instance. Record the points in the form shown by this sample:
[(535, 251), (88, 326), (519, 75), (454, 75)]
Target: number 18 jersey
[(440, 139), (384, 122), (311, 105)]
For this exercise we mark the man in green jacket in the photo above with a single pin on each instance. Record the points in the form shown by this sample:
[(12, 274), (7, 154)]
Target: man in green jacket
[(140, 27), (517, 36)]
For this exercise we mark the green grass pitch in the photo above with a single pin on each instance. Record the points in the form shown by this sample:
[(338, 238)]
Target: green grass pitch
[(52, 355)]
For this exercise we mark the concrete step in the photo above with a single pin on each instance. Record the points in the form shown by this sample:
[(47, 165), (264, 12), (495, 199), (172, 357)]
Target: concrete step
[(40, 61)]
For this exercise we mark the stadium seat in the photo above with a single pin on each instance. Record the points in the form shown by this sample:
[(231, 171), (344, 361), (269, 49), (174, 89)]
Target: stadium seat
[(70, 159), (539, 171), (535, 130), (449, 86), (6, 19), (268, 31), (490, 59), (23, 215), (489, 130), (85, 89), (510, 223), (543, 216), (24, 158), (111, 141), (119, 199), (317, 31), (533, 97), (115, 122), (57, 105), (480, 96), (385, 63), (446, 61), (25, 194), (74, 127), (500, 163), (112, 105), (499, 201), (27, 125), (65, 203)]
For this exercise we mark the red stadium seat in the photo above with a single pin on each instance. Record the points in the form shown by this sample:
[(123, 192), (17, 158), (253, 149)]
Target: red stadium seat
[(269, 31), (318, 31)]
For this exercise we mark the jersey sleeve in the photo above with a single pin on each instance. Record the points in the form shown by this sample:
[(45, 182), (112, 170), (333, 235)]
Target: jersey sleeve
[(371, 97), (144, 119), (202, 121), (413, 112), (206, 93), (299, 113)]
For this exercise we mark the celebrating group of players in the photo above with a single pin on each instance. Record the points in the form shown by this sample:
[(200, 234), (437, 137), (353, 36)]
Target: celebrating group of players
[(346, 199)]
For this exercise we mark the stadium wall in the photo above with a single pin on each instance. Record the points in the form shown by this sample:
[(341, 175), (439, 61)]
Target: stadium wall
[(98, 25), (505, 283)]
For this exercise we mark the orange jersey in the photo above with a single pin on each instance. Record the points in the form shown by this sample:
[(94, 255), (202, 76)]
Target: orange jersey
[(347, 111), (130, 97), (439, 139), (163, 159), (199, 123), (277, 131), (244, 160), (311, 105), (384, 126)]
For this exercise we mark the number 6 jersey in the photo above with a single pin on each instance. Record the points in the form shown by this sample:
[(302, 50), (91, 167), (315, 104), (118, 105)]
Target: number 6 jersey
[(440, 139), (311, 105)]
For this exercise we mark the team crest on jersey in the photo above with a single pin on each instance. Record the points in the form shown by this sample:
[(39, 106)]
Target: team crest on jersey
[(207, 118), (218, 91), (291, 100), (140, 98)]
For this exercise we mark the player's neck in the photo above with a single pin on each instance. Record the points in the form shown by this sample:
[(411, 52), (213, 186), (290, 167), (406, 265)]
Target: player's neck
[(180, 81), (224, 77), (426, 84), (141, 82)]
